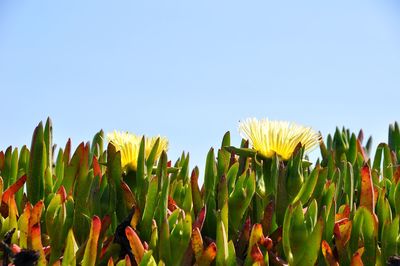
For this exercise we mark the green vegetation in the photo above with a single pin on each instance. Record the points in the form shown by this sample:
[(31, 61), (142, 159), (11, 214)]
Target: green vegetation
[(85, 207)]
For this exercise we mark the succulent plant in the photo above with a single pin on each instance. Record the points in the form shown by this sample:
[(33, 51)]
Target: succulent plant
[(260, 203)]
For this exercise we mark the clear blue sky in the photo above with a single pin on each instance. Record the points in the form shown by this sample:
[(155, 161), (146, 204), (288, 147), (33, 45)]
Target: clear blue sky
[(190, 70)]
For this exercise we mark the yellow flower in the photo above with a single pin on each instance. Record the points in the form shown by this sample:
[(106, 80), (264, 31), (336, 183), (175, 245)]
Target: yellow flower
[(129, 144), (280, 137)]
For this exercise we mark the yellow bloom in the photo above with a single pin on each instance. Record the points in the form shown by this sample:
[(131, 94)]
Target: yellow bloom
[(280, 137), (129, 144)]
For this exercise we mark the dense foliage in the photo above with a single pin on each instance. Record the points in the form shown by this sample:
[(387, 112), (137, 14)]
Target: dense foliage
[(88, 209)]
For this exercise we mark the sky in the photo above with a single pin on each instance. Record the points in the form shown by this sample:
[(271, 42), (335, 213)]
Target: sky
[(190, 70)]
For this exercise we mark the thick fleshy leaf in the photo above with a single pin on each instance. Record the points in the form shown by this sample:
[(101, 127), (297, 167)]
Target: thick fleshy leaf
[(70, 250), (135, 243), (308, 187), (364, 225), (197, 243), (148, 259), (268, 216), (37, 244), (37, 166), (10, 191), (36, 214), (165, 251), (356, 259), (180, 237), (23, 225), (196, 194), (208, 255), (390, 233), (90, 255), (367, 197), (110, 262), (210, 177), (240, 199), (328, 254), (222, 242), (342, 233), (311, 249), (257, 256), (149, 208)]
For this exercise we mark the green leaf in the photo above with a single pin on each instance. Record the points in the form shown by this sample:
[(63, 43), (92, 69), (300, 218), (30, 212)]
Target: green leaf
[(308, 186), (364, 227), (390, 233), (387, 163), (165, 251), (114, 171), (70, 250), (59, 171), (210, 177), (48, 140), (222, 242), (286, 235), (242, 152), (148, 259), (226, 140), (312, 246), (37, 166), (239, 200), (97, 146), (140, 189), (149, 208), (180, 238), (163, 202)]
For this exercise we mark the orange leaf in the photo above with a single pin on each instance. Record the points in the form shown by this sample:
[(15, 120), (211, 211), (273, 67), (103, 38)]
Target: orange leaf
[(110, 262), (367, 197), (135, 243), (36, 213), (344, 214), (197, 243), (209, 254), (13, 188), (257, 255), (361, 150), (342, 233), (356, 259), (37, 243), (90, 255), (328, 254), (172, 204)]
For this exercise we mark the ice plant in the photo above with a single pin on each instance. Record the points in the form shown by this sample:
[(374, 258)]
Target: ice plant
[(81, 208), (128, 144), (281, 137)]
